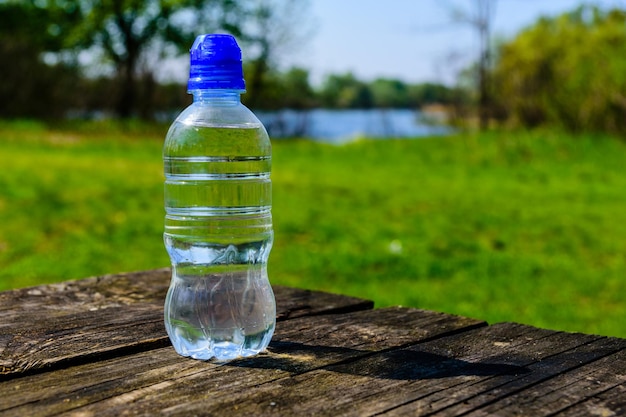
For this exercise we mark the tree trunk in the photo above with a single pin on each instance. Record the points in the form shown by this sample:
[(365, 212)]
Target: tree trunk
[(126, 99), (484, 20)]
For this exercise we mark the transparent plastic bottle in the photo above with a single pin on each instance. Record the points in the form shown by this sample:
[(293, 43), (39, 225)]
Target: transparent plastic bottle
[(218, 222)]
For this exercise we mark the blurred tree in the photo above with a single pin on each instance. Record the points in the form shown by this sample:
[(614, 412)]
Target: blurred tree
[(128, 39), (284, 90), (272, 93), (430, 93), (387, 93), (127, 33), (346, 92), (299, 94), (272, 29), (480, 20), (567, 71), (31, 86)]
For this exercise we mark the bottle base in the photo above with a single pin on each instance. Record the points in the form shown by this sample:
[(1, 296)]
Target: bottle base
[(203, 348), (220, 316)]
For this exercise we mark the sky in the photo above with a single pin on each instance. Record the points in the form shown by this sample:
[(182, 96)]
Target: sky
[(411, 40)]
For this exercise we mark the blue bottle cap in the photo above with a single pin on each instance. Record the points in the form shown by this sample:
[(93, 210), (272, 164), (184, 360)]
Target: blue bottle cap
[(215, 64)]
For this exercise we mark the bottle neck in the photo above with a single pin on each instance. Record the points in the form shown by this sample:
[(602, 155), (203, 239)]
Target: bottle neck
[(217, 96)]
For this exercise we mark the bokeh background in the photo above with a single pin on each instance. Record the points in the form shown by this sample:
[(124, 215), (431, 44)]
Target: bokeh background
[(464, 156)]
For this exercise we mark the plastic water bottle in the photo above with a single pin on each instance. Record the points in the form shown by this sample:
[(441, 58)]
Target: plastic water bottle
[(218, 222)]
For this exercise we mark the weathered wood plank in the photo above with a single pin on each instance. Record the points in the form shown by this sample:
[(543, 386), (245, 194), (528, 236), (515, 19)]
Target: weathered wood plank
[(53, 326), (161, 380), (446, 371), (447, 376), (610, 403), (564, 390), (98, 347), (542, 355)]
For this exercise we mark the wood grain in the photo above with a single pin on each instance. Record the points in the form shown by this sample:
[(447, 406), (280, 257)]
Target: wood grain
[(97, 347), (59, 325), (161, 380)]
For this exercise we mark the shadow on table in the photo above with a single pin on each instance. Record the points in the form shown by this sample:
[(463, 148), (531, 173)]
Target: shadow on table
[(400, 364)]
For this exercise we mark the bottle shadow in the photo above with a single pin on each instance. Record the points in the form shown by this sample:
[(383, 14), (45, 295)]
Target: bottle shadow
[(398, 364)]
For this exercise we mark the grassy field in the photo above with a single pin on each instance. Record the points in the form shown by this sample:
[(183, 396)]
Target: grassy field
[(525, 227)]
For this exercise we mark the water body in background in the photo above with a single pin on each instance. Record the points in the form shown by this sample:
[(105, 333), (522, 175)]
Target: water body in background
[(341, 126)]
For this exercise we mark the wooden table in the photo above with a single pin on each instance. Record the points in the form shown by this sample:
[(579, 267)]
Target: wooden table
[(97, 347)]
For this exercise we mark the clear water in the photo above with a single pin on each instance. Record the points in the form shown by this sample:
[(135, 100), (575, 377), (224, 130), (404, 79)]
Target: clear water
[(218, 233), (221, 315)]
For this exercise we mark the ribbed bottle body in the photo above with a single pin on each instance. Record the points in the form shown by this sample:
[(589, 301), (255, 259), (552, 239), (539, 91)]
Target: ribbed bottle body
[(218, 232)]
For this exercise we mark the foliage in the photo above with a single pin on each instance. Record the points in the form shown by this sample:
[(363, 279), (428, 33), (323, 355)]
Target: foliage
[(526, 227), (128, 32), (290, 90), (272, 29), (124, 42), (28, 84), (345, 91), (388, 93), (432, 93), (481, 20), (121, 43), (566, 71), (39, 24)]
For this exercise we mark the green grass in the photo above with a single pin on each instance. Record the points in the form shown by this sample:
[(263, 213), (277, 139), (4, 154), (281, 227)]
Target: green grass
[(525, 227)]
